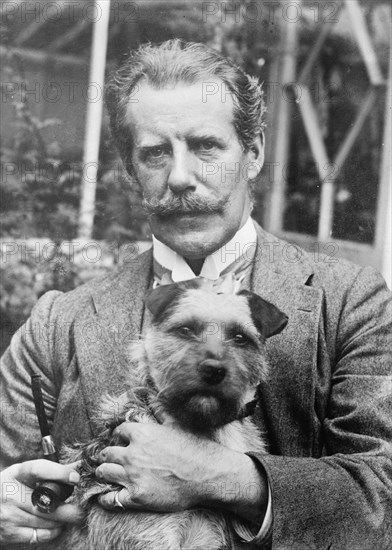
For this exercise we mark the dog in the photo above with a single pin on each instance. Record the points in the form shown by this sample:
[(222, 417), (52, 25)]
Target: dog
[(198, 368)]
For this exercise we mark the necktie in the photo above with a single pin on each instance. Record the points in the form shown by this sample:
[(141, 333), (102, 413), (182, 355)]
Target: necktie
[(229, 281)]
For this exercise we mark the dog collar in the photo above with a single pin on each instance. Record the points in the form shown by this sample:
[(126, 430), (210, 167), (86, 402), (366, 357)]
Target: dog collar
[(249, 408)]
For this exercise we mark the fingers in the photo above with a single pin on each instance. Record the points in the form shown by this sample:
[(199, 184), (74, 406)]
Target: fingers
[(65, 513), (68, 513), (26, 535), (36, 470), (18, 525), (17, 517), (38, 523), (112, 473), (117, 500), (125, 430), (115, 455)]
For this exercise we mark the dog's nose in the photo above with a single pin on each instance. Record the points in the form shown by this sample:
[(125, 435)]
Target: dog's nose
[(212, 371)]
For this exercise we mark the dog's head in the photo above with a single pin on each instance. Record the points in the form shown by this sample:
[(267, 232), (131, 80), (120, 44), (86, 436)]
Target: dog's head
[(206, 351)]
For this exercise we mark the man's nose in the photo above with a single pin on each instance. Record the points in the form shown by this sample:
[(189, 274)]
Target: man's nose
[(181, 177)]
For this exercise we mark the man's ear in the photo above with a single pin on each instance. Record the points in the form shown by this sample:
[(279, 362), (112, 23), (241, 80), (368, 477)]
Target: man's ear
[(268, 319), (159, 300), (255, 157)]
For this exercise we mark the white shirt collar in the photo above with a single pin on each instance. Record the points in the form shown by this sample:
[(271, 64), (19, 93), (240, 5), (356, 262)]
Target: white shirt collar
[(214, 264)]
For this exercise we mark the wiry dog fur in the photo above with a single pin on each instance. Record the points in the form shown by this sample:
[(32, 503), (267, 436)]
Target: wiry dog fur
[(197, 368)]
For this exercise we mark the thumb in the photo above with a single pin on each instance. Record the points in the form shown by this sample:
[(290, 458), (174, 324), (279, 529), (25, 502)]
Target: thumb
[(68, 513), (37, 470)]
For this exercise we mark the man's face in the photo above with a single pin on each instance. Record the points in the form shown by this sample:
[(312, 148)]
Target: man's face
[(191, 166)]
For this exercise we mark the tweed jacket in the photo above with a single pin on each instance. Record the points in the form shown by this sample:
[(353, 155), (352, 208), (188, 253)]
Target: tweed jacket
[(326, 408)]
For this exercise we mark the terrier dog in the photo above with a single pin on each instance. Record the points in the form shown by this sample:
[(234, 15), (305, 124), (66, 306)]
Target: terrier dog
[(198, 368)]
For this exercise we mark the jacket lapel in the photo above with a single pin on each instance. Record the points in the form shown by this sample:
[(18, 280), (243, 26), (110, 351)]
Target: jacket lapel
[(103, 335), (287, 397)]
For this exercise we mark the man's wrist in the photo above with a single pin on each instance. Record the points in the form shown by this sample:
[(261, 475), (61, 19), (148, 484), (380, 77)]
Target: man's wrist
[(239, 487)]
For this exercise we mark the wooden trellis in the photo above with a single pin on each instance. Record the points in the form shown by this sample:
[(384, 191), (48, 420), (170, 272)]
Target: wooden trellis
[(299, 82), (309, 116), (310, 119)]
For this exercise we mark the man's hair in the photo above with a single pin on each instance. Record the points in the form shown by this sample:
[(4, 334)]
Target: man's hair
[(175, 62)]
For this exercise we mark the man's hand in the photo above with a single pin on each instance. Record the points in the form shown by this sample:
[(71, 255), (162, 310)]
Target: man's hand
[(18, 517), (165, 469)]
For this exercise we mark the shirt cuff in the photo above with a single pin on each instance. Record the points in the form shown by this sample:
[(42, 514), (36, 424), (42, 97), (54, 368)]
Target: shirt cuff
[(247, 534)]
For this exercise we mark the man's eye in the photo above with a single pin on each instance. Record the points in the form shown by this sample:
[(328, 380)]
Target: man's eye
[(207, 145), (204, 145), (152, 154)]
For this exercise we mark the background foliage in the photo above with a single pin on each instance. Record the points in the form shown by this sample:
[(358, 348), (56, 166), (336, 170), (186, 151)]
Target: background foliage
[(40, 187)]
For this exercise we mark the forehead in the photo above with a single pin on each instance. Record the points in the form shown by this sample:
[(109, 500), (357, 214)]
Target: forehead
[(183, 108), (209, 307)]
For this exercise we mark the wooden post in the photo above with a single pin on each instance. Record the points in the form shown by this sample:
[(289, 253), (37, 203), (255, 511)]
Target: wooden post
[(287, 75), (319, 152), (94, 119), (364, 41), (384, 209)]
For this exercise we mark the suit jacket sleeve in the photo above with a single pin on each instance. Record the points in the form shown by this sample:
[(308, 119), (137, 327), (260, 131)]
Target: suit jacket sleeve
[(343, 499), (30, 352)]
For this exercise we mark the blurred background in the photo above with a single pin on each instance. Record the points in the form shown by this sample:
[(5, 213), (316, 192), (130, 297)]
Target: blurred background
[(69, 213)]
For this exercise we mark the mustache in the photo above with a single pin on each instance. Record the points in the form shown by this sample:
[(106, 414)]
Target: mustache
[(186, 203)]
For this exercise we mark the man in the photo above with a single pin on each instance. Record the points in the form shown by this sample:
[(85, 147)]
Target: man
[(326, 408)]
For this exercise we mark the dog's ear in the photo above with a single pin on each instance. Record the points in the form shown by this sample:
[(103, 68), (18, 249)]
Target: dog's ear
[(159, 299), (268, 319)]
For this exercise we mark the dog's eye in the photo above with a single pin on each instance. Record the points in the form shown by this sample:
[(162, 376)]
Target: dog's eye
[(240, 339), (184, 331)]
